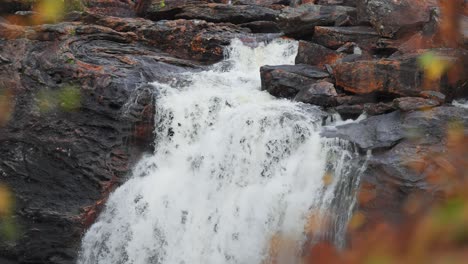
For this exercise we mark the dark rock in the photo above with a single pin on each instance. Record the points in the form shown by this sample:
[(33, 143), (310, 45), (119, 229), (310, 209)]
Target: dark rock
[(337, 2), (11, 6), (314, 54), (118, 8), (236, 14), (350, 111), (300, 21), (167, 9), (378, 108), (396, 175), (391, 18), (262, 27), (208, 11), (286, 81), (334, 37), (382, 131), (321, 93), (56, 159), (268, 3), (407, 104)]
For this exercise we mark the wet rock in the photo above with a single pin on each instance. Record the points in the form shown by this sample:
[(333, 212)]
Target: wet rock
[(350, 111), (407, 169), (382, 131), (56, 157), (300, 21), (314, 54), (286, 81), (392, 18), (407, 104), (334, 37), (321, 93)]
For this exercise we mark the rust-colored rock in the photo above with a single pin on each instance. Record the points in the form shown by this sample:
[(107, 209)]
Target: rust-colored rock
[(402, 75)]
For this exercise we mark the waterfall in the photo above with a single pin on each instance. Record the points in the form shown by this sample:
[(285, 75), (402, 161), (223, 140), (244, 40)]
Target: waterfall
[(235, 173)]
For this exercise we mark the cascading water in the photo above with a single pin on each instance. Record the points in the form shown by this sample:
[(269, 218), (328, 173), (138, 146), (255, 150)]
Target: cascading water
[(234, 168)]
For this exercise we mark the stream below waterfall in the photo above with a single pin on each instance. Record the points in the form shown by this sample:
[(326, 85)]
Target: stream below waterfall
[(238, 176)]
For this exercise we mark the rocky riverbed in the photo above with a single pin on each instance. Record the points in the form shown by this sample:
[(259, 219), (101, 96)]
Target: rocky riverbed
[(372, 57)]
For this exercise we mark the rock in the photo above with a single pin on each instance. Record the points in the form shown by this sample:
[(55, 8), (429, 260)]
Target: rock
[(56, 156), (321, 93), (407, 104), (119, 8), (286, 81), (378, 108), (393, 18), (187, 39), (394, 176), (401, 75), (350, 111), (167, 9), (314, 54), (334, 37), (382, 131), (300, 21), (236, 14), (211, 12), (262, 27), (439, 97), (268, 3), (11, 6)]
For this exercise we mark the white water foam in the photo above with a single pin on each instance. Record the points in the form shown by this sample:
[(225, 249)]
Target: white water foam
[(233, 167)]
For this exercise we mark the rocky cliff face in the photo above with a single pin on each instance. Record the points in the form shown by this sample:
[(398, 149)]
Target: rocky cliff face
[(61, 157)]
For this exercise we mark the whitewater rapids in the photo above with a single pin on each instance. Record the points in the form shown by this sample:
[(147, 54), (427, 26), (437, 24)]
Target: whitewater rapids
[(233, 169)]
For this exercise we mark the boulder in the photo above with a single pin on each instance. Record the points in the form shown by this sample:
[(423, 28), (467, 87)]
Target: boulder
[(300, 21), (407, 104), (159, 9), (403, 75), (321, 93), (314, 54), (394, 177), (286, 81), (334, 37), (394, 18), (82, 114), (382, 131)]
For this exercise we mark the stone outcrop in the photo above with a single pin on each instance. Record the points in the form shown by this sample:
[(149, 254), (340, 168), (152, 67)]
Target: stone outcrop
[(287, 80)]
